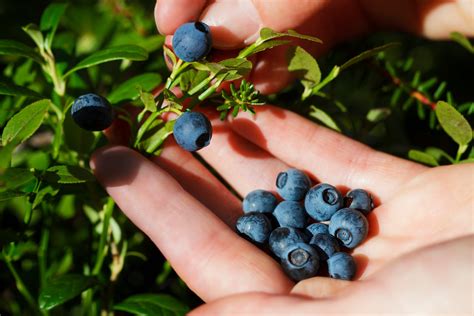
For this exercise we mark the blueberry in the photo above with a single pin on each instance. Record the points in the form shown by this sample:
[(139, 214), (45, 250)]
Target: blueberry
[(192, 41), (317, 228), (254, 226), (349, 226), (290, 214), (192, 131), (325, 244), (283, 237), (300, 261), (322, 201), (259, 201), (292, 184), (341, 266), (92, 112), (360, 200)]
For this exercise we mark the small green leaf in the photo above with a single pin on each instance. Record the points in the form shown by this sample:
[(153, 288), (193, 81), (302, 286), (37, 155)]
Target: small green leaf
[(50, 21), (378, 114), (17, 91), (268, 34), (170, 54), (6, 155), (267, 45), (438, 153), (367, 54), (152, 304), (323, 117), (33, 31), (422, 157), (330, 77), (148, 100), (453, 123), (63, 288), (42, 193), (10, 47), (128, 89), (463, 41), (128, 52), (305, 67), (23, 124), (68, 175), (8, 195)]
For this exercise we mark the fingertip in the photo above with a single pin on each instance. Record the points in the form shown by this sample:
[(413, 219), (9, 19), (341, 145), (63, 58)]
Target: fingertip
[(114, 165), (170, 14)]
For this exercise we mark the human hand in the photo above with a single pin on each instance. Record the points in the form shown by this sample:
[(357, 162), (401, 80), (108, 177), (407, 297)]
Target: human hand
[(235, 24), (190, 215)]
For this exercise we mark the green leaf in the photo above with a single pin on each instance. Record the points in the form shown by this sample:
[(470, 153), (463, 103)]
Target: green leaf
[(50, 21), (13, 178), (171, 56), (305, 67), (23, 124), (63, 288), (128, 89), (330, 77), (152, 304), (129, 52), (8, 195), (422, 157), (463, 41), (453, 123), (378, 114), (267, 45), (6, 155), (323, 117), (33, 31), (10, 47), (148, 100), (68, 175), (438, 153), (268, 34), (42, 193), (367, 54), (17, 91)]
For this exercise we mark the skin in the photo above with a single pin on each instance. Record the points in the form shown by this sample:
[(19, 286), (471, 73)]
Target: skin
[(420, 243)]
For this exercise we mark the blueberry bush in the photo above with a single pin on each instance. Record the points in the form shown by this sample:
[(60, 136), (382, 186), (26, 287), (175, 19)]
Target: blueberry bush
[(65, 247)]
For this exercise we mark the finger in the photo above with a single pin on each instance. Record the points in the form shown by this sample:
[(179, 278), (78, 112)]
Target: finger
[(197, 180), (170, 14), (259, 304), (325, 154), (201, 248), (242, 164), (320, 287)]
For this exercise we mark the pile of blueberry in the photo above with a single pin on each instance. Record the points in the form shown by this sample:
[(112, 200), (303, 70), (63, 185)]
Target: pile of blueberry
[(309, 230)]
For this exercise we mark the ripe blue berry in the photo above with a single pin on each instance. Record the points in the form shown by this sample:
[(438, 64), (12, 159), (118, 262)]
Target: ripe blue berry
[(254, 226), (192, 41), (322, 201), (325, 244), (300, 261), (259, 201), (290, 214), (192, 131), (292, 184), (283, 237), (317, 228), (92, 112), (360, 200), (341, 266), (349, 226)]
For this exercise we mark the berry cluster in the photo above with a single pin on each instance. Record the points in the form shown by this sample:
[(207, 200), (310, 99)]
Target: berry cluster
[(296, 230)]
